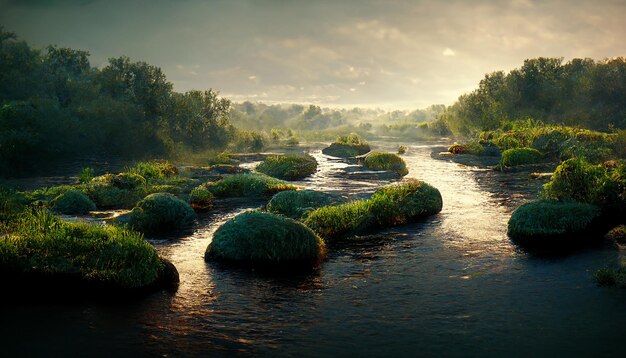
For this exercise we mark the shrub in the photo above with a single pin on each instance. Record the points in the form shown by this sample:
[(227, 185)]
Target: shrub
[(86, 175), (128, 180), (39, 243), (73, 202), (265, 239), (347, 146), (473, 147), (295, 203), (609, 276), (156, 169), (618, 235), (11, 203), (520, 156), (160, 212), (402, 149), (550, 223), (386, 161), (288, 167), (391, 205), (551, 140), (201, 198), (240, 185), (107, 196), (602, 185), (292, 141)]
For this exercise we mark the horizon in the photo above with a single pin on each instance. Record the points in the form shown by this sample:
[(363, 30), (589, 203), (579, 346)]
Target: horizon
[(381, 55)]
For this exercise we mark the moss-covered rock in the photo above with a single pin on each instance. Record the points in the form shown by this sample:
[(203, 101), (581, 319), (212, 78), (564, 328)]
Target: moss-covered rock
[(392, 205), (41, 248), (347, 146), (554, 225), (159, 212), (245, 185), (520, 156), (201, 198), (73, 202), (255, 238), (288, 167), (386, 161), (295, 203)]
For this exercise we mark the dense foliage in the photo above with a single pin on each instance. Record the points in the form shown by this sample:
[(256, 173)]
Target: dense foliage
[(581, 92), (288, 167)]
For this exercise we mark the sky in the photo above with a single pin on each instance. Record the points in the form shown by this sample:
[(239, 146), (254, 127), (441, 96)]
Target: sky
[(392, 54)]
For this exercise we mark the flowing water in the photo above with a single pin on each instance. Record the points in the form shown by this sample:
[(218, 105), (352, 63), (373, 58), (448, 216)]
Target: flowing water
[(451, 285)]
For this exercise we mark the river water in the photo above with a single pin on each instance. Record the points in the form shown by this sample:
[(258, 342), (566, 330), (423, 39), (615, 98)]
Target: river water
[(451, 285)]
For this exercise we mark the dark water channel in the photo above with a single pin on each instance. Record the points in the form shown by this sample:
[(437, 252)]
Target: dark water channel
[(452, 285)]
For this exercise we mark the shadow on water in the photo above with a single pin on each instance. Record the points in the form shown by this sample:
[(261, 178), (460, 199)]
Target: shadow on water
[(450, 285)]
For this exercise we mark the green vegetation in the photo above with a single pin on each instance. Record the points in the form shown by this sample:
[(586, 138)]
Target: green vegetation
[(241, 185), (610, 276), (201, 198), (296, 203), (386, 161), (40, 244), (160, 212), (347, 146), (548, 224), (402, 149), (265, 239), (603, 185), (288, 167), (392, 205), (73, 202), (581, 92), (617, 235), (11, 204), (520, 156)]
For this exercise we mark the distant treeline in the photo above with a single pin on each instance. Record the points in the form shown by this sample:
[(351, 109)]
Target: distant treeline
[(54, 104), (580, 93)]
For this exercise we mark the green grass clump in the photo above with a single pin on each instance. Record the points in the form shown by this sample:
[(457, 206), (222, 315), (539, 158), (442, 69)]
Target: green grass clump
[(347, 146), (128, 180), (201, 198), (288, 167), (242, 185), (617, 234), (391, 205), (159, 212), (11, 203), (550, 223), (73, 202), (402, 149), (156, 169), (520, 156), (610, 276), (265, 239), (600, 184), (296, 203), (39, 243), (107, 196), (386, 161)]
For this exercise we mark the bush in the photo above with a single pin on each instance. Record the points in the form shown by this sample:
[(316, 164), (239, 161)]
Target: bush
[(241, 185), (402, 149), (265, 239), (11, 203), (39, 243), (548, 224), (520, 156), (288, 167), (107, 196), (602, 185), (160, 212), (128, 181), (386, 161), (156, 169), (609, 276), (86, 175), (295, 203), (391, 205), (347, 146), (201, 198), (617, 235), (73, 202)]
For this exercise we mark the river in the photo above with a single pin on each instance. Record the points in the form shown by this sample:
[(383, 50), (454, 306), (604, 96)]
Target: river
[(451, 285)]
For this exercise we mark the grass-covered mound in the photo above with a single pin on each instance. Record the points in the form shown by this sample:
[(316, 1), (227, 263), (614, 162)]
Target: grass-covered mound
[(265, 239), (617, 235), (160, 212), (288, 167), (11, 203), (386, 161), (553, 225), (611, 276), (73, 202), (391, 205), (243, 185), (201, 198), (156, 169), (296, 203), (347, 146), (48, 250), (520, 156)]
